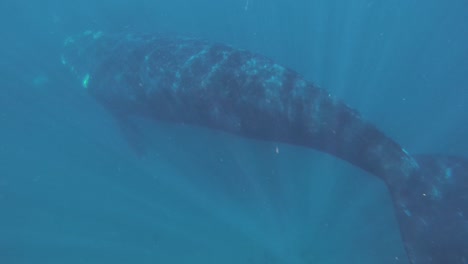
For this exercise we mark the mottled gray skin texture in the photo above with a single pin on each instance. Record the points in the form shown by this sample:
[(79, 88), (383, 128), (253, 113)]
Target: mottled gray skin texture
[(191, 81)]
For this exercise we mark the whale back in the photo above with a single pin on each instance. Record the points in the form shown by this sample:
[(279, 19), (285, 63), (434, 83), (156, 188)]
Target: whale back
[(186, 80)]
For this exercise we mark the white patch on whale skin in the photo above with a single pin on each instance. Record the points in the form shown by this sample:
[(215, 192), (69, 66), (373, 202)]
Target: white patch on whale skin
[(274, 80), (276, 76), (63, 60), (194, 57), (410, 164), (436, 193), (206, 80), (97, 35), (407, 212), (250, 67), (68, 41), (448, 173), (273, 86), (85, 81), (405, 209)]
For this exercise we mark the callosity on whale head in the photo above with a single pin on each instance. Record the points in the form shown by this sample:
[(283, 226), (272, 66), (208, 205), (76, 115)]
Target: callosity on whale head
[(81, 53)]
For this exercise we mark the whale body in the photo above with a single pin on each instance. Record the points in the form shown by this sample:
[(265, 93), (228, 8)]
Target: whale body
[(192, 81)]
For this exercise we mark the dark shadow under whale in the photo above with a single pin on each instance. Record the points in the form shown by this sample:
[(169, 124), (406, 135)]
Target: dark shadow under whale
[(191, 81)]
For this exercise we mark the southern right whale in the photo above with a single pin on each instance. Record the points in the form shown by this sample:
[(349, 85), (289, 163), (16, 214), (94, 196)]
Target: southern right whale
[(192, 81)]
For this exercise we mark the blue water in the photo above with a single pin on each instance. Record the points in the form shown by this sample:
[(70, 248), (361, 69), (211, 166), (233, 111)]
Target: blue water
[(72, 190)]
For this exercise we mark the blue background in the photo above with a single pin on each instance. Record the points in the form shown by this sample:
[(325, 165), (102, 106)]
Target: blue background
[(71, 189)]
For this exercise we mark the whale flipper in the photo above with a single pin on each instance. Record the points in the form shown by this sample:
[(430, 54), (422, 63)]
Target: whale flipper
[(186, 80)]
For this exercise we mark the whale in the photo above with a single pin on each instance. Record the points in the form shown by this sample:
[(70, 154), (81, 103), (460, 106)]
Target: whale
[(196, 82)]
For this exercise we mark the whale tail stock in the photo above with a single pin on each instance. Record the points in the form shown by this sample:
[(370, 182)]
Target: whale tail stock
[(432, 207), (429, 192)]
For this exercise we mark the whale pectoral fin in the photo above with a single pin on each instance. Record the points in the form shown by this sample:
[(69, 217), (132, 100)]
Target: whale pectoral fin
[(432, 210), (132, 134)]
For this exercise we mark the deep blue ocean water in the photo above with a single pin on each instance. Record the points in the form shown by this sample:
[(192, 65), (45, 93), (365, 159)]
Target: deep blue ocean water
[(72, 190)]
